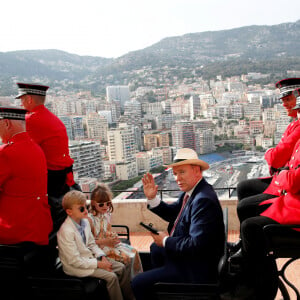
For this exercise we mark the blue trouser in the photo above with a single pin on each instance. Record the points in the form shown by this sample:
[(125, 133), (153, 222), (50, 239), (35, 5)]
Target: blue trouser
[(169, 271)]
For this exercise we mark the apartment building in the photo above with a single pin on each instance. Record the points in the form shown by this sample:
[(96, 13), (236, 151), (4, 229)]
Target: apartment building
[(195, 107), (222, 111), (77, 127), (87, 159), (121, 143), (156, 140), (96, 127), (237, 111), (264, 142), (166, 153), (68, 124), (118, 93), (106, 114), (126, 170), (155, 108), (269, 128), (256, 127), (203, 124), (205, 141), (166, 121), (148, 160), (252, 111), (181, 107), (183, 135), (268, 114), (132, 113)]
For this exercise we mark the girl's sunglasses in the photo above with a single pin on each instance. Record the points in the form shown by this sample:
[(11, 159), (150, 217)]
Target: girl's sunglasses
[(108, 203)]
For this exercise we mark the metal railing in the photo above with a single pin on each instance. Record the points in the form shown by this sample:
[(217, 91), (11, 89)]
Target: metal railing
[(229, 189)]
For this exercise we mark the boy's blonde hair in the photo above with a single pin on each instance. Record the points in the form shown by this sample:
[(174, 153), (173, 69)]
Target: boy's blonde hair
[(73, 197)]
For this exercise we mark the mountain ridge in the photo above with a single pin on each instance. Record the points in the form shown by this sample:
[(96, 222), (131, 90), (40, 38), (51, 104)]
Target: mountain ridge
[(256, 48)]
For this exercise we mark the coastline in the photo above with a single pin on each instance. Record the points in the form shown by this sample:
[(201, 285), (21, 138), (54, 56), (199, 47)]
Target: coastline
[(226, 170)]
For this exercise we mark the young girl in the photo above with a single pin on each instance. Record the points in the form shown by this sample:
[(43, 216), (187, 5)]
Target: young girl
[(99, 217)]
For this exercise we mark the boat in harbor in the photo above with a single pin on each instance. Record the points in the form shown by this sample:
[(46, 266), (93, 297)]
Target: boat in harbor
[(255, 159)]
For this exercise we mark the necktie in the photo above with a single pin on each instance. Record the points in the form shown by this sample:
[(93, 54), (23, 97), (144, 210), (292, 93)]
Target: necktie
[(185, 199), (81, 231)]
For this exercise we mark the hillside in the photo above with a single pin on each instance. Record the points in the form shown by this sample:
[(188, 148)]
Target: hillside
[(267, 49)]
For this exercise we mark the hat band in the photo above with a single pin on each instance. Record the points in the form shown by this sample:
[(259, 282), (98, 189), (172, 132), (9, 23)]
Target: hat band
[(179, 160), (32, 91), (282, 95), (9, 115), (287, 89)]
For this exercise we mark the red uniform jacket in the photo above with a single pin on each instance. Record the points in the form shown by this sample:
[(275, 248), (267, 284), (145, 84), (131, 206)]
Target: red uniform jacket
[(280, 155), (24, 210), (48, 131), (285, 209)]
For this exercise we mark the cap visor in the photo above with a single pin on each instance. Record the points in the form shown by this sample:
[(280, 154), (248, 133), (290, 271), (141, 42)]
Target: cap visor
[(20, 95)]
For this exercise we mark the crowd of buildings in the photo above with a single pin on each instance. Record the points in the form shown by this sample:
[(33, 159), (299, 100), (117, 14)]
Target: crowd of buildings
[(127, 132)]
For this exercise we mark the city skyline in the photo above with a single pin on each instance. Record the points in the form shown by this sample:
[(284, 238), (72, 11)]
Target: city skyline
[(114, 28)]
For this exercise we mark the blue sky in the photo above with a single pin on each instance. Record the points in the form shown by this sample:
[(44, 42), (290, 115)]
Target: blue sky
[(111, 28)]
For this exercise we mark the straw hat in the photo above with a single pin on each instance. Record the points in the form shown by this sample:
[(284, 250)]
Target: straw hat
[(186, 156)]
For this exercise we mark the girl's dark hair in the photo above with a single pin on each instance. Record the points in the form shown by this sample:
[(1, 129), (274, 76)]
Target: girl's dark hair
[(100, 194)]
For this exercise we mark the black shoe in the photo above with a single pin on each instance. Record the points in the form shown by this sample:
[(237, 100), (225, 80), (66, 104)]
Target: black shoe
[(237, 257), (234, 247)]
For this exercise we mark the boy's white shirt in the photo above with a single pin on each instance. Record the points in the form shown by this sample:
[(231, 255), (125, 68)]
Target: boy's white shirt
[(78, 259)]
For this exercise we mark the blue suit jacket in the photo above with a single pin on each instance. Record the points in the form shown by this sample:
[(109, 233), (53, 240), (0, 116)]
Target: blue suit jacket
[(197, 243)]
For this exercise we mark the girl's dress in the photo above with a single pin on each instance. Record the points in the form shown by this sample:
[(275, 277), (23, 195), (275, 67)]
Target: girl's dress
[(122, 252)]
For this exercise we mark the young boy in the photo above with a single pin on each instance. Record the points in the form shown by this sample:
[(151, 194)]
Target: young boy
[(79, 254)]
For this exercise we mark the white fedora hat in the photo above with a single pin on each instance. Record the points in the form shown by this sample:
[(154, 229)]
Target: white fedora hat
[(187, 156)]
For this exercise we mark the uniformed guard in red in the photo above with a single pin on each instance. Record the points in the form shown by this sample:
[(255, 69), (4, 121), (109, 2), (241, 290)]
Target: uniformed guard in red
[(24, 210), (279, 156), (48, 131), (285, 209), (253, 191)]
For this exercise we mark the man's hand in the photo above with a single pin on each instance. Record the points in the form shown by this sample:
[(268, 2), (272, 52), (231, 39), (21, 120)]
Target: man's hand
[(150, 188), (104, 264), (158, 238)]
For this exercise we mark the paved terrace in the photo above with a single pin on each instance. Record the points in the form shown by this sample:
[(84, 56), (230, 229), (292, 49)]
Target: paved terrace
[(131, 211)]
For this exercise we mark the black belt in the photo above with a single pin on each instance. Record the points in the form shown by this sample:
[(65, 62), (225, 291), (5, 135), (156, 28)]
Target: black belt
[(63, 171)]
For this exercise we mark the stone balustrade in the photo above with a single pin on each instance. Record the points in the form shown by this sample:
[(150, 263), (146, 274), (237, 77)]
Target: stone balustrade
[(131, 212)]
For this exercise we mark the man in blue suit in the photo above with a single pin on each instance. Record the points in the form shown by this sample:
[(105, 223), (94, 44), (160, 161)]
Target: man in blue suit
[(191, 250)]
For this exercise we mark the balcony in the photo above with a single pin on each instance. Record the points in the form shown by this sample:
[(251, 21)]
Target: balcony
[(125, 209)]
